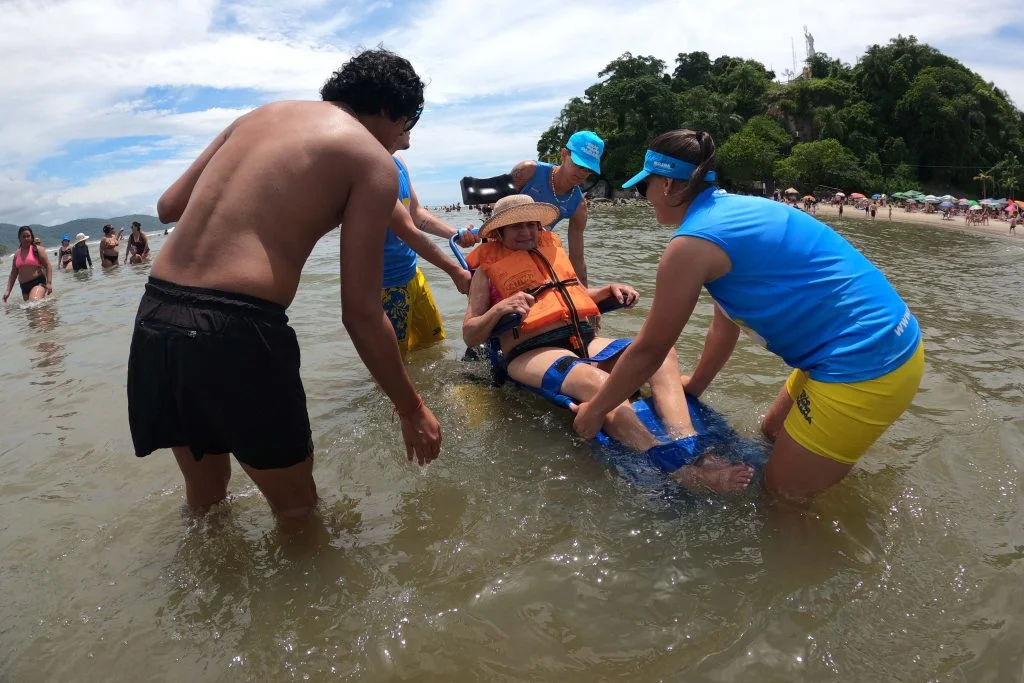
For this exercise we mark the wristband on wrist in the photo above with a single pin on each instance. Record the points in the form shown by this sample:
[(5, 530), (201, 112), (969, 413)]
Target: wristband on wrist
[(399, 413)]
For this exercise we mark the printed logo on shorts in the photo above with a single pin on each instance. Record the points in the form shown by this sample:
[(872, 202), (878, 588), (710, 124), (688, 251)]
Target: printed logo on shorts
[(803, 404)]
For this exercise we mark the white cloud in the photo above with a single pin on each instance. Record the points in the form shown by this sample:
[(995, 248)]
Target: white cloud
[(77, 70)]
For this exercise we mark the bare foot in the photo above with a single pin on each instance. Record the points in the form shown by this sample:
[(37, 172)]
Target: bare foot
[(713, 462), (722, 479)]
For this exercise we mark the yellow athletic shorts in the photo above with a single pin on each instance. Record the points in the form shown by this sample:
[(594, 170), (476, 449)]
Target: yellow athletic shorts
[(413, 313), (841, 421)]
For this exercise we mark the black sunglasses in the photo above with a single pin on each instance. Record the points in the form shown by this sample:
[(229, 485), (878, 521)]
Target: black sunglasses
[(411, 121)]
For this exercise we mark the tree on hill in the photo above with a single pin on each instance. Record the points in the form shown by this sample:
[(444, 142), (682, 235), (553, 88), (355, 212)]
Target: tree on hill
[(905, 115)]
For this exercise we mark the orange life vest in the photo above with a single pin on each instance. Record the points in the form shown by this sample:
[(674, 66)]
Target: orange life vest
[(544, 272)]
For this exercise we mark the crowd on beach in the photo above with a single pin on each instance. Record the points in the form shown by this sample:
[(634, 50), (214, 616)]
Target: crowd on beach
[(31, 267), (213, 368), (973, 212)]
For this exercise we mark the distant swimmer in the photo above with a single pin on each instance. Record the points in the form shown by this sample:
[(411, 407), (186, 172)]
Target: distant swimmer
[(214, 365), (80, 257), (559, 186), (110, 246), (64, 253), (30, 267), (138, 245), (406, 296), (816, 302)]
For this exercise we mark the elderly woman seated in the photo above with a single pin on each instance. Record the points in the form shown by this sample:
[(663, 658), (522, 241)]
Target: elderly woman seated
[(524, 269)]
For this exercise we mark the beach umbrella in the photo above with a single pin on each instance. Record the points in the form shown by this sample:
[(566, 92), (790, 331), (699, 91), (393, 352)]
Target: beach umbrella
[(975, 208), (792, 190), (1011, 208), (841, 195), (945, 205), (1019, 203), (857, 195), (947, 197), (809, 198), (972, 202), (932, 199), (962, 202), (876, 196), (912, 193)]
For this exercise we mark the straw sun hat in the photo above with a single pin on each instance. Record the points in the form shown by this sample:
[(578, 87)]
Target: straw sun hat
[(81, 237), (518, 208)]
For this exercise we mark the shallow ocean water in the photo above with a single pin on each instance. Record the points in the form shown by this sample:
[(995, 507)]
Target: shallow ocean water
[(518, 556)]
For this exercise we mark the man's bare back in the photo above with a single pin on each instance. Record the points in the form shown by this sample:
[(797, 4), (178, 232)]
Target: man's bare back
[(214, 367), (278, 180)]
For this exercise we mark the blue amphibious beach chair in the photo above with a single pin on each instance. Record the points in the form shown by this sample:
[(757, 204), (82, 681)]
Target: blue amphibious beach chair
[(713, 431)]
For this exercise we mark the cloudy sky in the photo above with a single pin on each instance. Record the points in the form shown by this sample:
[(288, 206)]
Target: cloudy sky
[(105, 102)]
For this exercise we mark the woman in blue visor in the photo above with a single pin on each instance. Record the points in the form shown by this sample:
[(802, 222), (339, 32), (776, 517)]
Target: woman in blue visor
[(796, 287)]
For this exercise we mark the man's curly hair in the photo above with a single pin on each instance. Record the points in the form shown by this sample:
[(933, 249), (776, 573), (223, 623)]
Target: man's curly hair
[(374, 81)]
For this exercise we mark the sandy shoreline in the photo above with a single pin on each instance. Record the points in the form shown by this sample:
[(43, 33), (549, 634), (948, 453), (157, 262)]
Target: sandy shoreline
[(928, 220)]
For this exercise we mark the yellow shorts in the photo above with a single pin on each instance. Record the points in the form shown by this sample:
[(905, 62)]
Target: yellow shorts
[(841, 421), (413, 313)]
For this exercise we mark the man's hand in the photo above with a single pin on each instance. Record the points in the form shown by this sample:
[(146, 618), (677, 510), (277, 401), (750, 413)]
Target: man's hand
[(467, 238), (462, 279), (422, 434), (520, 303), (624, 294), (588, 422)]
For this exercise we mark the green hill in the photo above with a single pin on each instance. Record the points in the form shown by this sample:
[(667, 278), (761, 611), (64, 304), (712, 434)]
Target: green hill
[(904, 116), (93, 227)]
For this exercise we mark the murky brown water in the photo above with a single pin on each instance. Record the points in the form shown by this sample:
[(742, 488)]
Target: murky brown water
[(517, 556)]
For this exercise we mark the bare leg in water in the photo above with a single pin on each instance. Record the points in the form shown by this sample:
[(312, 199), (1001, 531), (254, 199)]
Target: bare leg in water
[(290, 491), (622, 424)]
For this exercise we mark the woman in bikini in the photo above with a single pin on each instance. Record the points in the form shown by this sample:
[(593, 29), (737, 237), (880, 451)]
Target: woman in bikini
[(138, 245), (30, 267), (110, 246)]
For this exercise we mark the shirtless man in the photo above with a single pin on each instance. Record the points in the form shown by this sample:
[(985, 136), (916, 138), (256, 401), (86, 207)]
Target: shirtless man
[(214, 366), (559, 185), (110, 246)]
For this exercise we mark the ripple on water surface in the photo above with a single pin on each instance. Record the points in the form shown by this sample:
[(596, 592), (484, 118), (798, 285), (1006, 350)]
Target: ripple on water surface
[(517, 556)]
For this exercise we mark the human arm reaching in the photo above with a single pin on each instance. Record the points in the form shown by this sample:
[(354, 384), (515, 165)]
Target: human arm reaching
[(718, 347), (401, 223), (686, 265), (364, 226)]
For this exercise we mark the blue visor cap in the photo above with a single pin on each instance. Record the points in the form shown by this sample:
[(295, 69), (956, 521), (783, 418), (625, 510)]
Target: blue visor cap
[(656, 163)]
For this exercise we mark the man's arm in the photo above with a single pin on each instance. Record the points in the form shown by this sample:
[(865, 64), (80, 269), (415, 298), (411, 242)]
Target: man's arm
[(401, 223), (522, 172), (577, 224), (172, 203), (364, 225)]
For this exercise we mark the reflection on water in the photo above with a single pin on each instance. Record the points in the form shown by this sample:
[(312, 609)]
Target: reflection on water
[(517, 555)]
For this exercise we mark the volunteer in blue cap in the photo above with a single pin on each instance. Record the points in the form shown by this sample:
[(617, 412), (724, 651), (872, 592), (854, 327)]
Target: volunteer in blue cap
[(795, 286), (64, 253), (559, 186)]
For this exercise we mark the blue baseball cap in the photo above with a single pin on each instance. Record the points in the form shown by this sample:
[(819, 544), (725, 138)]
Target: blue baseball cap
[(586, 149), (65, 238), (656, 163)]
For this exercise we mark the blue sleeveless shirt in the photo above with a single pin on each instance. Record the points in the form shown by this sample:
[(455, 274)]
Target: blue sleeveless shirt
[(802, 290), (399, 258), (539, 187)]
